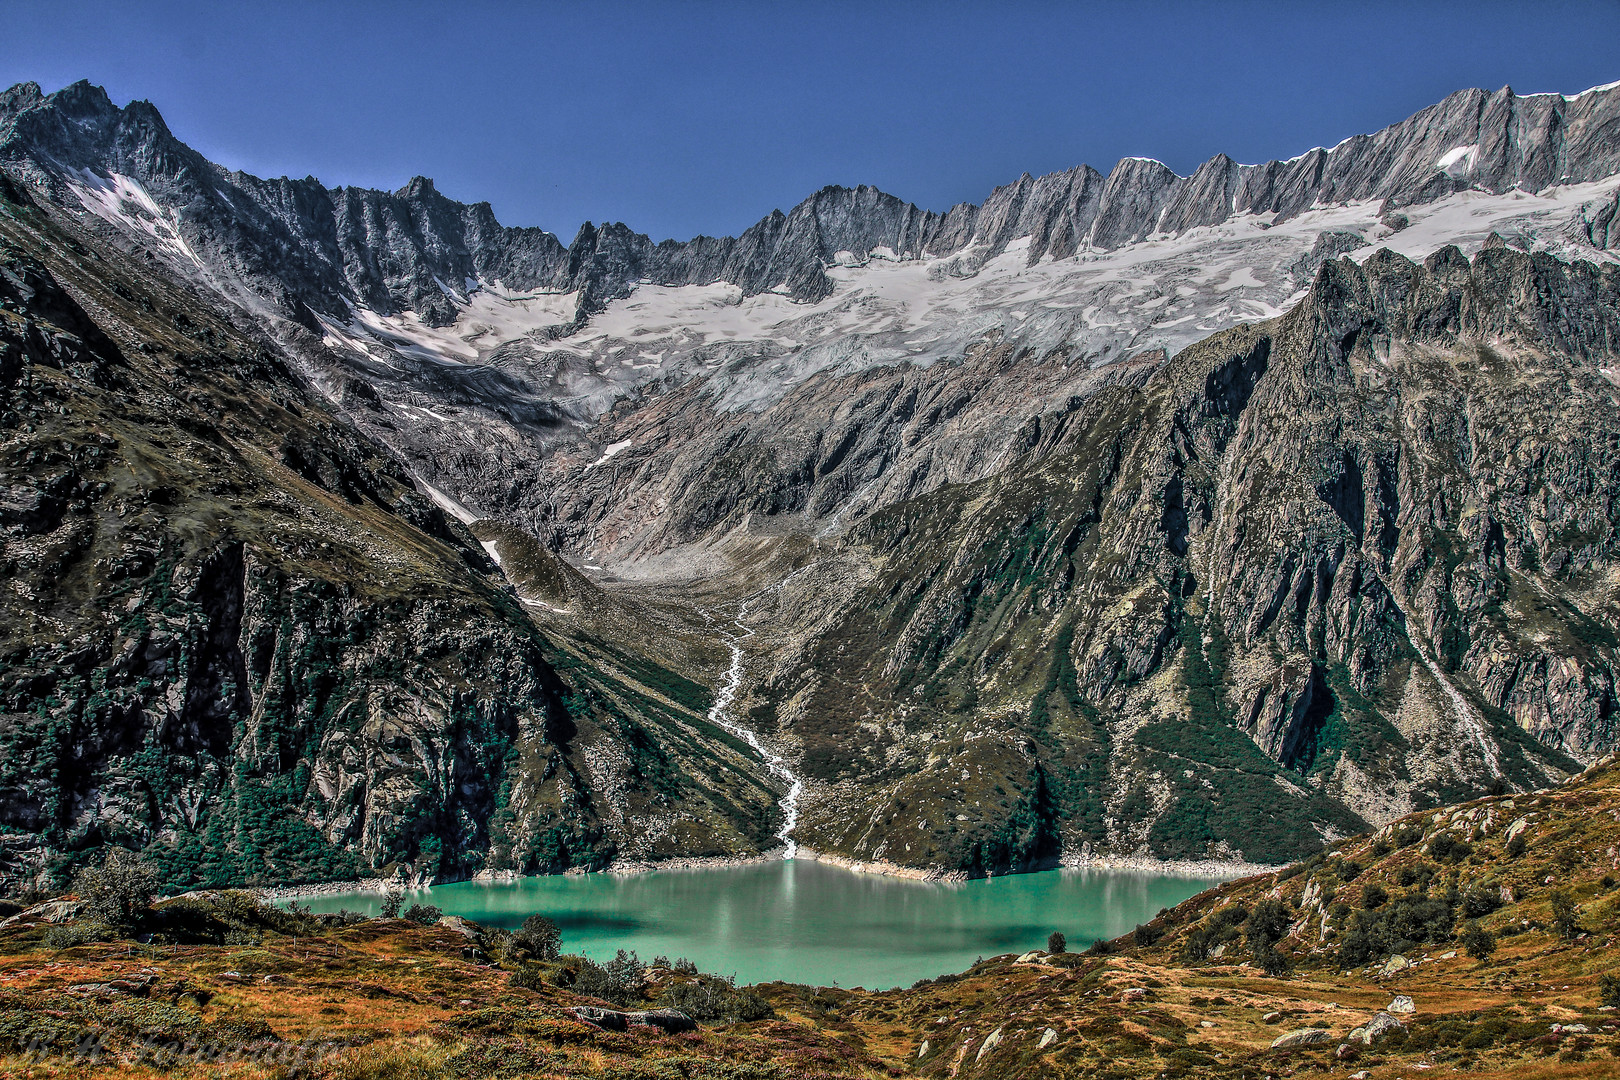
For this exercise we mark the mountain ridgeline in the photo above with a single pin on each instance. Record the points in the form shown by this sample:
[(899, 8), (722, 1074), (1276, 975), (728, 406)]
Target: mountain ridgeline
[(296, 243), (324, 561)]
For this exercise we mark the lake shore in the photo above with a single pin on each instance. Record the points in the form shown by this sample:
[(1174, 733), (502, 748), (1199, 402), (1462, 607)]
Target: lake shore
[(1141, 864)]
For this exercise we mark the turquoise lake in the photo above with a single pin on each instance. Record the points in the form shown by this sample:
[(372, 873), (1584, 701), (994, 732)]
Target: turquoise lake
[(804, 921)]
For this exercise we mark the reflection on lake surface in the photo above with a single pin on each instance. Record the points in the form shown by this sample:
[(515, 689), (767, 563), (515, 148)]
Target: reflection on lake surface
[(804, 921)]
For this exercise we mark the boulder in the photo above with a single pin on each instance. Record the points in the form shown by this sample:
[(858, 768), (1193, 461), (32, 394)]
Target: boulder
[(991, 1041), (670, 1020), (51, 911), (1394, 965), (1048, 1037), (1402, 1005), (1302, 1037), (137, 985), (1378, 1027)]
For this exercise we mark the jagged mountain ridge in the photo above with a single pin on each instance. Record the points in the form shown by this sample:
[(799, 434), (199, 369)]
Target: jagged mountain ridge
[(403, 250)]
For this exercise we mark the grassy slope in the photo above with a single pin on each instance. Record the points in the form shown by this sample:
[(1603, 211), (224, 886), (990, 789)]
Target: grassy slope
[(404, 1002)]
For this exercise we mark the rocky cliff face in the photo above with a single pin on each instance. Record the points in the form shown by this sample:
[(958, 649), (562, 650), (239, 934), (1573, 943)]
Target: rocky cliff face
[(237, 638), (1324, 570)]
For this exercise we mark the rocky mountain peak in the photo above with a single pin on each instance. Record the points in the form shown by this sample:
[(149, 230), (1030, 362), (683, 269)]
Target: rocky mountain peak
[(320, 247), (418, 187)]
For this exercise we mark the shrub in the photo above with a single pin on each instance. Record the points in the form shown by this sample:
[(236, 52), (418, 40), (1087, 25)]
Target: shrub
[(1515, 847), (1479, 942), (391, 904), (1196, 946), (1447, 848), (1056, 943), (1268, 922), (1566, 916), (1268, 959), (1418, 874), (68, 935), (119, 892), (1145, 935), (528, 977), (1402, 923), (1478, 902), (423, 914), (1609, 989), (538, 938), (618, 981), (1374, 895), (1267, 925), (1231, 915), (714, 1000)]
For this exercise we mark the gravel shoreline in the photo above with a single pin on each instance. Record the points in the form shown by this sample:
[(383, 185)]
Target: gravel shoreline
[(1139, 864)]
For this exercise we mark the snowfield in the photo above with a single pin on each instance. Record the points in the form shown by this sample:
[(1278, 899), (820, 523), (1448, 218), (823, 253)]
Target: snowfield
[(1094, 308)]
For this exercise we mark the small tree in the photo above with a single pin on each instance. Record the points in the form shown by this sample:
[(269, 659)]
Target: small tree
[(1267, 925), (119, 892), (423, 914), (392, 902), (1056, 943), (1566, 916), (1479, 942), (539, 937)]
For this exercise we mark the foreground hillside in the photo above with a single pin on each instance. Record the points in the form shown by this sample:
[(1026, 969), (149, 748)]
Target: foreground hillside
[(1474, 939)]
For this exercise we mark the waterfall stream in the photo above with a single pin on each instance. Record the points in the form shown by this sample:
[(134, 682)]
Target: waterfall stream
[(718, 715)]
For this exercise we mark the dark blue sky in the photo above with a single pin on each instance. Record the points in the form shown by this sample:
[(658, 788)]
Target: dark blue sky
[(681, 118)]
